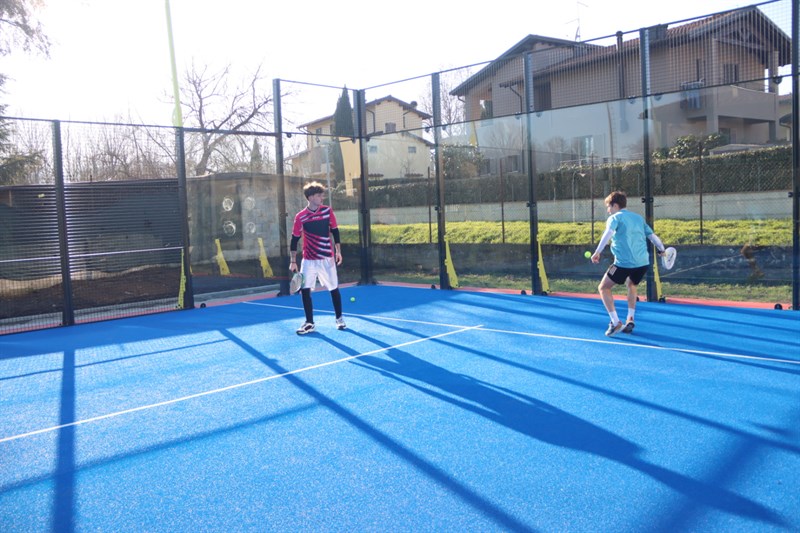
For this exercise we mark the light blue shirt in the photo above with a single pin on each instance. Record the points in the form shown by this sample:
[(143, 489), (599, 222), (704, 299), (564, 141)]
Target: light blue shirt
[(629, 243)]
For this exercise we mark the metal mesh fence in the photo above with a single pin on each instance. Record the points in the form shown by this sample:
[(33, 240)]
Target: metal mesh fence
[(322, 144)]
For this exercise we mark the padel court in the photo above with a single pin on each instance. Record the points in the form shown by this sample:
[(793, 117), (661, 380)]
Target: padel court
[(434, 411)]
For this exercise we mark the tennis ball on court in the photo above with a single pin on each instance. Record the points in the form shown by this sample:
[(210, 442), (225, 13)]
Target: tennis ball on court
[(352, 298), (587, 254)]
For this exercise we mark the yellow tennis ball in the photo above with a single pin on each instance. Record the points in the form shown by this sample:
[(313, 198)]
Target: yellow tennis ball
[(587, 254), (352, 298)]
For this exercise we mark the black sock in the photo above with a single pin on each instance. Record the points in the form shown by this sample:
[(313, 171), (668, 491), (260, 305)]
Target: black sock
[(336, 298), (307, 306)]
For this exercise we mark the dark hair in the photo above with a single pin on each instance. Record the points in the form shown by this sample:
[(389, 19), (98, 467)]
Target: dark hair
[(313, 188), (617, 197)]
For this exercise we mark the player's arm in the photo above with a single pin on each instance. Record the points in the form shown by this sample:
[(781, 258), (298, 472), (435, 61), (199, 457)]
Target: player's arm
[(604, 239), (337, 245), (293, 253), (659, 245)]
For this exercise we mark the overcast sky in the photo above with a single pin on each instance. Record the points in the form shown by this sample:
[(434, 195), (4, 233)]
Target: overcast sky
[(110, 58)]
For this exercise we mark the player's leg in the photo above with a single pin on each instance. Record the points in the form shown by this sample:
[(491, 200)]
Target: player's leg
[(329, 278), (309, 270), (605, 290), (632, 284), (632, 296), (336, 298)]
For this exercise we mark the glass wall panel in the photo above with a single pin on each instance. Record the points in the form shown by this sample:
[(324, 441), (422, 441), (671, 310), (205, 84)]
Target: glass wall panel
[(234, 214), (402, 200), (321, 144), (582, 154), (721, 194), (485, 193)]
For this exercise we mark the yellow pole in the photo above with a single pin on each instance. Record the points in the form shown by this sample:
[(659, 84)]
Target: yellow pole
[(177, 115)]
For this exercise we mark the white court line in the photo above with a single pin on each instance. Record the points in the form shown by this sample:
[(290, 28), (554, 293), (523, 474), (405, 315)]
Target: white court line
[(646, 346), (560, 337), (231, 387)]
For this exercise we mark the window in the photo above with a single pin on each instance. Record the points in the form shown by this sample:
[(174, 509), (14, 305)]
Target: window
[(512, 163), (699, 69), (486, 109), (585, 147), (318, 131), (391, 127), (412, 149), (542, 97), (730, 73)]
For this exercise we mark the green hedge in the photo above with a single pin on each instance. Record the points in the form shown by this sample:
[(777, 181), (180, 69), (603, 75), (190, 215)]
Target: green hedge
[(766, 169), (674, 232)]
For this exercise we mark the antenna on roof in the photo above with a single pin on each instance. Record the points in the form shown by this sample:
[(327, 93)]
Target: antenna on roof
[(578, 5)]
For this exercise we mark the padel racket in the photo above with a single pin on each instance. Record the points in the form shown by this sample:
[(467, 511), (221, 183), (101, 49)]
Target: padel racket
[(297, 283), (668, 259)]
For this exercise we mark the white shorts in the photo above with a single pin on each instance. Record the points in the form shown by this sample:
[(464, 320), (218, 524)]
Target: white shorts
[(322, 269)]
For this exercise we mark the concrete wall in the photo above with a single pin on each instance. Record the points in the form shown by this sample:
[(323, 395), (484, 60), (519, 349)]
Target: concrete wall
[(710, 264)]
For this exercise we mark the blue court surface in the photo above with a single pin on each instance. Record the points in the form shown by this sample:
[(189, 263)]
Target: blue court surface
[(434, 411)]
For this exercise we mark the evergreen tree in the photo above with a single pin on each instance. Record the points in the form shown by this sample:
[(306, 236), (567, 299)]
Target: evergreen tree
[(343, 129), (256, 158)]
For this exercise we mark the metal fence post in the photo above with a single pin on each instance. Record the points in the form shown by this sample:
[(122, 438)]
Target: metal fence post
[(533, 211), (183, 209), (795, 156), (364, 219), (644, 43), (283, 216), (68, 314), (444, 279)]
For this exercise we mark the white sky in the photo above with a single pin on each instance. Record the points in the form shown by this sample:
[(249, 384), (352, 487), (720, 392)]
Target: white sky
[(110, 58)]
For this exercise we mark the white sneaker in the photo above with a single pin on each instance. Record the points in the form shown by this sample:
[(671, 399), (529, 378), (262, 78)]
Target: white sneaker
[(340, 323), (614, 329), (307, 327)]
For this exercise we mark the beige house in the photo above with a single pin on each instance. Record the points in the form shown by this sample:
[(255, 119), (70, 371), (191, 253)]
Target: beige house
[(395, 147), (716, 74)]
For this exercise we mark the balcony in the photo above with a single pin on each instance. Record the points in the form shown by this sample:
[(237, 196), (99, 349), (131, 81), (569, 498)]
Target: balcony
[(729, 101)]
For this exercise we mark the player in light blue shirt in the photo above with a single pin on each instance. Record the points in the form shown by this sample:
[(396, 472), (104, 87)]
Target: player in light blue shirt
[(628, 233)]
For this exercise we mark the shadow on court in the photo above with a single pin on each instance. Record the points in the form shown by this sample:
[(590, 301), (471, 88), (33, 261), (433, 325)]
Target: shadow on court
[(544, 422)]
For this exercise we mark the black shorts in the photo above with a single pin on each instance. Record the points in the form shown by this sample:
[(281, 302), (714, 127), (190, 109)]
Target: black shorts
[(619, 274)]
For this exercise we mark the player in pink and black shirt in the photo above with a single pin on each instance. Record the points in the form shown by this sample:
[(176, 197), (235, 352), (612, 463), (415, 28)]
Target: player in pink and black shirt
[(316, 225)]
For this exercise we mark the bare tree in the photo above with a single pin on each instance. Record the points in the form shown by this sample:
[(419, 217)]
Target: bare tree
[(19, 29), (220, 110), (111, 152), (452, 108)]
